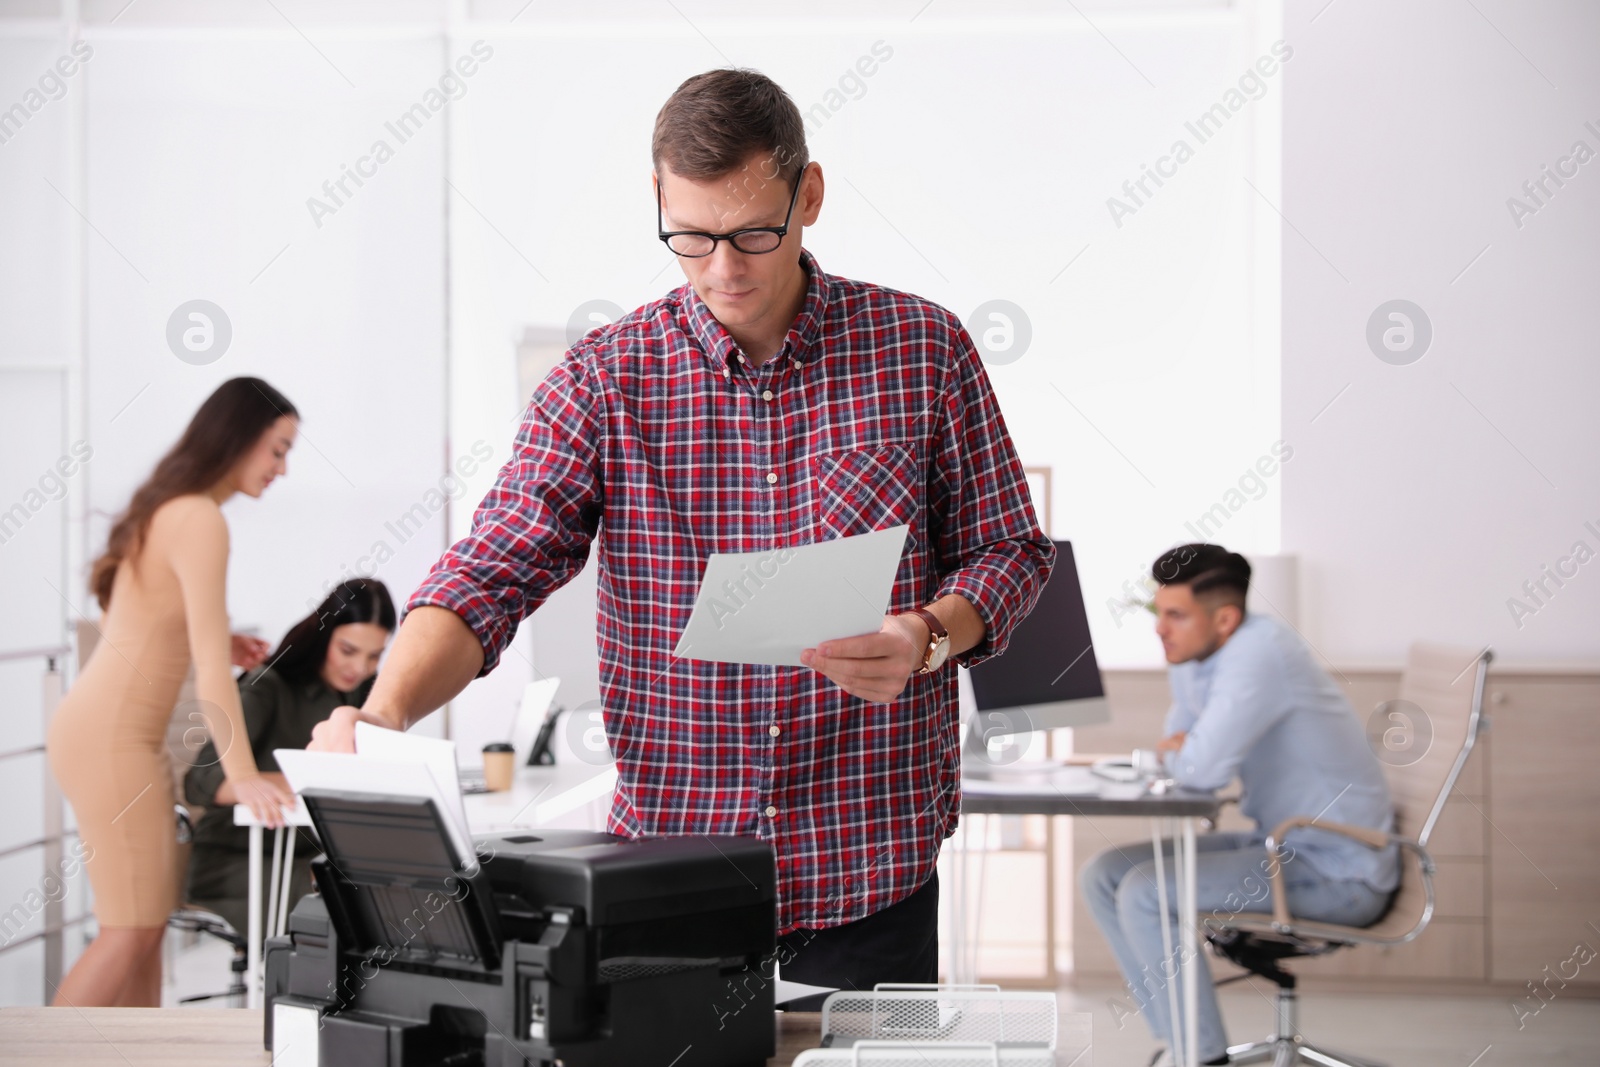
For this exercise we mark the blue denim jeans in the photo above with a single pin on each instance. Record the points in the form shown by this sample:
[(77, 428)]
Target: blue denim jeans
[(1231, 876)]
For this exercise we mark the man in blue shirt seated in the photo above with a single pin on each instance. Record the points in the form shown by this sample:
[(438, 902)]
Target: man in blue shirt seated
[(1247, 701)]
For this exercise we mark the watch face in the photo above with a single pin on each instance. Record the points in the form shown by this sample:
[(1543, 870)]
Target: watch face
[(941, 652)]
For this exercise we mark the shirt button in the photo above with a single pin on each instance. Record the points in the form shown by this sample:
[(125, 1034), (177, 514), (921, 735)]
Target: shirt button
[(774, 731), (772, 478), (772, 812), (796, 363), (741, 358), (766, 394)]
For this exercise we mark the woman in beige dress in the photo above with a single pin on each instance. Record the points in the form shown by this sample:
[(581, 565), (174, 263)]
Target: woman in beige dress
[(162, 587)]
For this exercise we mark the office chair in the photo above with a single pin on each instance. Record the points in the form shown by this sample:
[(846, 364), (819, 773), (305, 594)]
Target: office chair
[(195, 919), (191, 918), (1435, 681)]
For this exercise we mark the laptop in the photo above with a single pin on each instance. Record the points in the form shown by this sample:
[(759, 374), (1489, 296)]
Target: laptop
[(536, 701)]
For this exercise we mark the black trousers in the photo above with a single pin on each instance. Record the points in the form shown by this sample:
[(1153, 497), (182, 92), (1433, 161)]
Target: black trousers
[(898, 944)]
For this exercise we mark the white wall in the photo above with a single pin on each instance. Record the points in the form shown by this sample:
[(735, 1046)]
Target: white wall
[(38, 305), (1425, 495), (201, 163)]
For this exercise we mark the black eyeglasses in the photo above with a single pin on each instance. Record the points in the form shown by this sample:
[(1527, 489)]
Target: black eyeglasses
[(752, 241)]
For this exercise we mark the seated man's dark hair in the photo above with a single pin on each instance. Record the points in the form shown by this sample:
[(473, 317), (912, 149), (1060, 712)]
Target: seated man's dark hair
[(1205, 569)]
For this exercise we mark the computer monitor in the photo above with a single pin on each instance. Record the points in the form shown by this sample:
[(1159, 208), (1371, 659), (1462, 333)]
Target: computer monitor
[(530, 718), (1048, 677)]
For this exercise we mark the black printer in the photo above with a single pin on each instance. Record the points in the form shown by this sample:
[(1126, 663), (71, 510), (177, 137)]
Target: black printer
[(561, 946)]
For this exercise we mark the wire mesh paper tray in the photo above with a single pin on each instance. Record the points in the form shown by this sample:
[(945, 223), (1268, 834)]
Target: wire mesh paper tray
[(949, 1014), (965, 1015), (947, 1026)]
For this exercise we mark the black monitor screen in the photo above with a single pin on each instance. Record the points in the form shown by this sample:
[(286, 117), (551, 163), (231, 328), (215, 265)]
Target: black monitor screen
[(1050, 657)]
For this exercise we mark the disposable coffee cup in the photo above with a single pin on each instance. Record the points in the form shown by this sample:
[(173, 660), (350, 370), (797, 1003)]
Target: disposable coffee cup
[(499, 765)]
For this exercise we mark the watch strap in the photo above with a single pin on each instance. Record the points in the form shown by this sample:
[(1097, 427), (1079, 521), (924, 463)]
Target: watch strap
[(936, 634), (935, 627)]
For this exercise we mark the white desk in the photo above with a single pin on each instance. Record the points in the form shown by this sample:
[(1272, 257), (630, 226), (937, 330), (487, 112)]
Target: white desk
[(1172, 815), (574, 796)]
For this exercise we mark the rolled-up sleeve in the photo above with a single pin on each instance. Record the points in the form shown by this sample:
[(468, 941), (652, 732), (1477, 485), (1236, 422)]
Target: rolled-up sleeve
[(987, 542), (532, 532)]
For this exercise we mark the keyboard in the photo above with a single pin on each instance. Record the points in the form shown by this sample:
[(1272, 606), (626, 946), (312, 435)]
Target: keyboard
[(1117, 769)]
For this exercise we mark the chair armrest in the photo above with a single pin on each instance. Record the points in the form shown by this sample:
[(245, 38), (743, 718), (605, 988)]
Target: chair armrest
[(1365, 834), (1373, 839)]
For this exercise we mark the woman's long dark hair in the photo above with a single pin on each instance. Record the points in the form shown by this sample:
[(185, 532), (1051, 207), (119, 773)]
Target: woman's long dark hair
[(300, 655), (227, 426)]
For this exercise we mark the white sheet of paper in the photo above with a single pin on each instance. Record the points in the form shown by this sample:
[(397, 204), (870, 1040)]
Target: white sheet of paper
[(347, 772), (765, 607), (435, 753), (784, 991)]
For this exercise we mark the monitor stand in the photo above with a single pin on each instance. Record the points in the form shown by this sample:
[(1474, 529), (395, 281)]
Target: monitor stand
[(976, 763)]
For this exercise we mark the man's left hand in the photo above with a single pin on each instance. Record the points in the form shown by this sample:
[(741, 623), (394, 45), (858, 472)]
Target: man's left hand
[(874, 667)]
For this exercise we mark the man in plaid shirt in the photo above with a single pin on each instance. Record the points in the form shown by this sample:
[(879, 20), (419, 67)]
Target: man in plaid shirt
[(765, 404)]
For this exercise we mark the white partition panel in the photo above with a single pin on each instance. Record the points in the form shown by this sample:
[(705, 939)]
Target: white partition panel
[(1445, 488), (220, 171)]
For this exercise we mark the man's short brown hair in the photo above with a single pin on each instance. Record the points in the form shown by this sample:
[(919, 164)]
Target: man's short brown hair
[(713, 122)]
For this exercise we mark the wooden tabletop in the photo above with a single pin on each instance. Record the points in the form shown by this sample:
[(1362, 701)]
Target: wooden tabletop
[(214, 1037)]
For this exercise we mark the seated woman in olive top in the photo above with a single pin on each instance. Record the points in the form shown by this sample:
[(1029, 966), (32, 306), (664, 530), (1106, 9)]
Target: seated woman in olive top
[(326, 660)]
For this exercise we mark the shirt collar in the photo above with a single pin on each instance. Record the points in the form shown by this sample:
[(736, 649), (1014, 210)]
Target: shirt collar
[(720, 347), (1207, 667)]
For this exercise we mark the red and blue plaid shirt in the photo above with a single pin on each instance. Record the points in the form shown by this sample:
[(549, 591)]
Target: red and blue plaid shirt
[(657, 439)]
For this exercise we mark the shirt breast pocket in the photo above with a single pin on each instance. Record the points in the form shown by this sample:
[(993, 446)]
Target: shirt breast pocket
[(868, 489)]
